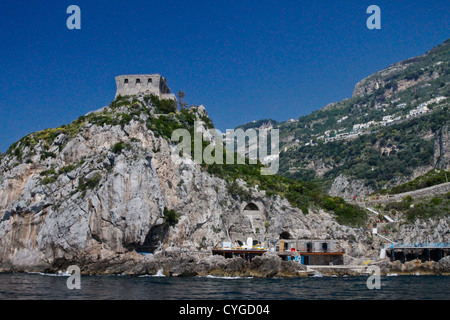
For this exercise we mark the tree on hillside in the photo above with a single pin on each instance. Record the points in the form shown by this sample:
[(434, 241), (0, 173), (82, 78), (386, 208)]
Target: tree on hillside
[(181, 95)]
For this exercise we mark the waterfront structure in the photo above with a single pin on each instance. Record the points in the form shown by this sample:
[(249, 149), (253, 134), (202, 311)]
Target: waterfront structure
[(304, 251), (412, 251)]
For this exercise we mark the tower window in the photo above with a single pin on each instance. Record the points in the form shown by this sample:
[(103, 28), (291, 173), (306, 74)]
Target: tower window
[(125, 81), (138, 81), (149, 80)]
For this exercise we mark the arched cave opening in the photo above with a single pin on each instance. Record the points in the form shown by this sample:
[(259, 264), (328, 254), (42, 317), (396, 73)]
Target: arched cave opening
[(251, 207), (285, 235), (153, 240)]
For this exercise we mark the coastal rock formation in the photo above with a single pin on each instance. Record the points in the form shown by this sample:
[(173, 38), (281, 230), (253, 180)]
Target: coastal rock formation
[(179, 263), (424, 231), (97, 196), (415, 267), (346, 187)]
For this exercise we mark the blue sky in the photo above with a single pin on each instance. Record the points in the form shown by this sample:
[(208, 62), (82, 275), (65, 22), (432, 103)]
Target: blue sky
[(244, 60)]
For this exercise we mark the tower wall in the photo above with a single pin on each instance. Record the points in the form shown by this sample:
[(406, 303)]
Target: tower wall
[(143, 84)]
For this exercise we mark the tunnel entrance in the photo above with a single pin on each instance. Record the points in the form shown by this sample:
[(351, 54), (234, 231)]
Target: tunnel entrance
[(256, 218), (251, 207)]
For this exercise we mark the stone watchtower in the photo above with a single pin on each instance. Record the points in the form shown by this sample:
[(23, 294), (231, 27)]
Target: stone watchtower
[(143, 84)]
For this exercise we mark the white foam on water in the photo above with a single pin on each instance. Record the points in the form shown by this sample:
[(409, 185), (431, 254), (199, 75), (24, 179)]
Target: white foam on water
[(59, 274), (158, 274), (229, 278)]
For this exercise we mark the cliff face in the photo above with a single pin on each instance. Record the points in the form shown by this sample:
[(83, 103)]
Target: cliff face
[(382, 78), (346, 187), (441, 159), (106, 190), (406, 74)]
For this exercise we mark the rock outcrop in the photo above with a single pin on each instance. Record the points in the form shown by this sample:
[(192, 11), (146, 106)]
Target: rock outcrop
[(415, 267), (405, 74), (100, 190), (96, 196), (441, 159), (347, 187)]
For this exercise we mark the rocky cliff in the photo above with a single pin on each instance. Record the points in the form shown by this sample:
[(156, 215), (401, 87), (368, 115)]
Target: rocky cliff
[(441, 158), (406, 74), (95, 192)]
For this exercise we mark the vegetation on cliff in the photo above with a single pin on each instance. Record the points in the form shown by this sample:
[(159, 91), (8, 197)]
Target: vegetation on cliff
[(420, 208), (431, 178), (377, 158), (380, 154), (162, 118), (300, 194)]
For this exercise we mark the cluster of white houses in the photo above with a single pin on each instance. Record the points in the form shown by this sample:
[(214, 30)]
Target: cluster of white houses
[(357, 129), (386, 120), (423, 107)]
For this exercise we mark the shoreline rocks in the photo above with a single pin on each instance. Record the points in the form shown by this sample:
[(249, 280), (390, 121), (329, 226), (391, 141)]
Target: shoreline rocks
[(413, 267), (191, 264)]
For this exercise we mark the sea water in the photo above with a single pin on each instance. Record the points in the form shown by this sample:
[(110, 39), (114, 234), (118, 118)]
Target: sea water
[(50, 286)]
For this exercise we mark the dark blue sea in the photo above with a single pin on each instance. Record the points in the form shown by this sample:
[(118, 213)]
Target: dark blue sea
[(51, 287)]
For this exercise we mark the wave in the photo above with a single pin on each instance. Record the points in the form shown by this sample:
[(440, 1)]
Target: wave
[(59, 274), (224, 277), (317, 274), (158, 274)]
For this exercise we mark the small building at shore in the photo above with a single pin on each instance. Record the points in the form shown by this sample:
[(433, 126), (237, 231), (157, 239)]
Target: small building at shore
[(307, 252)]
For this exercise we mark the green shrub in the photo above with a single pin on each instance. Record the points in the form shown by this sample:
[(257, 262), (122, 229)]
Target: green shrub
[(431, 178), (125, 119), (119, 146), (18, 153), (47, 154), (407, 199), (329, 203), (237, 191), (436, 201), (163, 126), (351, 215), (397, 206), (47, 172), (162, 106), (90, 184), (171, 217), (67, 169), (48, 180), (346, 213)]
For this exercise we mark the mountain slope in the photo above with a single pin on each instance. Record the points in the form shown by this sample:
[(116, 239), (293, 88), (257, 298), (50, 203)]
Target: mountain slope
[(386, 134)]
